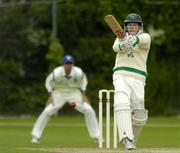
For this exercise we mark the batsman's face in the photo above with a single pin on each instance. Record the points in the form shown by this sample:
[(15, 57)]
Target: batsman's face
[(133, 28), (68, 67)]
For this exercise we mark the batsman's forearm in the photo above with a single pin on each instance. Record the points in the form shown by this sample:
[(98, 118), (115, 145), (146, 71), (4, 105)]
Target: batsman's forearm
[(116, 46)]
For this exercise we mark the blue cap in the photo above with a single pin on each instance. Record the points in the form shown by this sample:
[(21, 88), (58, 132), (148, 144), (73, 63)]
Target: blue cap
[(68, 59)]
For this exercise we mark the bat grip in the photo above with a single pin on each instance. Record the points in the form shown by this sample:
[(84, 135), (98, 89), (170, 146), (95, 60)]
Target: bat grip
[(121, 35)]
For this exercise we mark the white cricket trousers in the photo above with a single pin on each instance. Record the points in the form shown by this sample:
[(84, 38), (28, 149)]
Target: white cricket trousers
[(129, 96), (59, 99)]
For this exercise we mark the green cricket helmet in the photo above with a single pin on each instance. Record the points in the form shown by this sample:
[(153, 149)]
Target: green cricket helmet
[(133, 18)]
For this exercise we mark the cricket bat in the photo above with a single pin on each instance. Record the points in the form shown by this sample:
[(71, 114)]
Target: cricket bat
[(114, 26)]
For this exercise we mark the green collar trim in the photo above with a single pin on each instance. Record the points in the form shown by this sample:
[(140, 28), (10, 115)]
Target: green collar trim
[(137, 41), (130, 70)]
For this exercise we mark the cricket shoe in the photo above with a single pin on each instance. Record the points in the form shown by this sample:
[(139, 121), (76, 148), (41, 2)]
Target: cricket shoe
[(129, 144), (35, 140)]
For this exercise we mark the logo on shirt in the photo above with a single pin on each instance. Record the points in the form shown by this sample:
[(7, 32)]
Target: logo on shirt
[(130, 55)]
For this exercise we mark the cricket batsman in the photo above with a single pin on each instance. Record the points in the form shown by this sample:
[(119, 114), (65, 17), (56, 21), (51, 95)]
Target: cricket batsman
[(66, 84), (129, 80)]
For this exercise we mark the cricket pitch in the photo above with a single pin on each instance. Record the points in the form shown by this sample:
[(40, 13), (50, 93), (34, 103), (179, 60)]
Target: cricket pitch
[(92, 150)]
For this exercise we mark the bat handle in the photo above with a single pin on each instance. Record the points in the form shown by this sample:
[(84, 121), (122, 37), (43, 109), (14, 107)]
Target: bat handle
[(121, 35)]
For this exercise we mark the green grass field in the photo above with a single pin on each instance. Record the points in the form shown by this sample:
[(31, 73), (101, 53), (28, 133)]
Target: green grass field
[(68, 134)]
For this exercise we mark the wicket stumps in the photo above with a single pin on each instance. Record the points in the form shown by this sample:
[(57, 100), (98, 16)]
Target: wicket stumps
[(107, 94)]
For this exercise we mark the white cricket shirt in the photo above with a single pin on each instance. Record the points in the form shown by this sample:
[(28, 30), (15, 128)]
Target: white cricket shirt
[(58, 79), (132, 62)]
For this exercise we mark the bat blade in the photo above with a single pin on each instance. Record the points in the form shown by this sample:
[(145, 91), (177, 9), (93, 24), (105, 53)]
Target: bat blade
[(114, 26)]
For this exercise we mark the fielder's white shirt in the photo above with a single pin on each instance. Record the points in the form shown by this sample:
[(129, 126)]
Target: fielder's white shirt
[(132, 62), (58, 80)]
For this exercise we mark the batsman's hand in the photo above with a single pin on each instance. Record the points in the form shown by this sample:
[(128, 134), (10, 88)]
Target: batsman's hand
[(128, 42)]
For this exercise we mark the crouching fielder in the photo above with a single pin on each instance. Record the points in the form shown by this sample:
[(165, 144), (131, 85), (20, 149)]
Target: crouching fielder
[(129, 80), (66, 84)]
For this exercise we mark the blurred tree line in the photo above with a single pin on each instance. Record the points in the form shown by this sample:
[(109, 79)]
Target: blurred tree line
[(28, 51)]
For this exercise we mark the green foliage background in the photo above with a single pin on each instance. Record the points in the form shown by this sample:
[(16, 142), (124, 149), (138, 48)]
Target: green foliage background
[(28, 52)]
